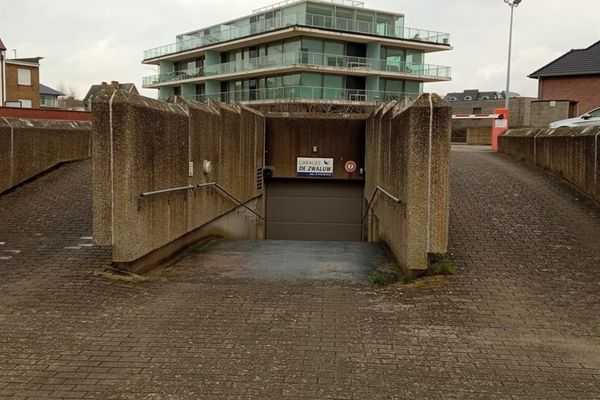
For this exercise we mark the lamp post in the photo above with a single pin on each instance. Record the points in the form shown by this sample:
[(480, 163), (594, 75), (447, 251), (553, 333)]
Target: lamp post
[(513, 4)]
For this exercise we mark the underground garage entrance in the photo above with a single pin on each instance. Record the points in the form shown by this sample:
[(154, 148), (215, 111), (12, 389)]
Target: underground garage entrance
[(196, 169), (315, 177)]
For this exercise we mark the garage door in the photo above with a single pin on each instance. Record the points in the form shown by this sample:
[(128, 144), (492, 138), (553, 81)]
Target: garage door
[(314, 210)]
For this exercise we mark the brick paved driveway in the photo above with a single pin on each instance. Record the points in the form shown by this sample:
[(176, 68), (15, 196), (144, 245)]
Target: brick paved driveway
[(519, 320)]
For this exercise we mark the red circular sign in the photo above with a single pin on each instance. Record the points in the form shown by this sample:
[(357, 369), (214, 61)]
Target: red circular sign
[(350, 166)]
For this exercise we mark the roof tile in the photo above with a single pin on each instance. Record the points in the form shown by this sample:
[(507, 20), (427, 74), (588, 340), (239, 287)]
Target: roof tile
[(575, 62)]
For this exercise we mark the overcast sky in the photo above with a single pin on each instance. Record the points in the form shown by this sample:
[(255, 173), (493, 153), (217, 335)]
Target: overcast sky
[(85, 42)]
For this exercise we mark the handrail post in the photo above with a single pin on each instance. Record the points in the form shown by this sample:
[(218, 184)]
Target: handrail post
[(370, 204), (235, 199)]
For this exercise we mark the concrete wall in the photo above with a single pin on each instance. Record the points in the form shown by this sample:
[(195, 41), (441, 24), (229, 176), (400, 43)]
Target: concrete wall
[(479, 136), (584, 89), (519, 109), (572, 153), (411, 161), (545, 112), (141, 145), (29, 147)]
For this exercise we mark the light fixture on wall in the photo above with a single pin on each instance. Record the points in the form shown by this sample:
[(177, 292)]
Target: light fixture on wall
[(206, 167), (315, 149)]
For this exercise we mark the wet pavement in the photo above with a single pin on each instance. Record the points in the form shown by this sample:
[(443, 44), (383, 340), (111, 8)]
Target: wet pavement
[(287, 261), (519, 320)]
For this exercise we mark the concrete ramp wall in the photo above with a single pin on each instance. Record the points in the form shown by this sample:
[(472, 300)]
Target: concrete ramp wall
[(29, 147), (572, 153), (143, 145), (407, 155)]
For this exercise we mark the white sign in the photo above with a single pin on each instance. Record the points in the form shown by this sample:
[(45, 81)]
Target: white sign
[(306, 166), (501, 123)]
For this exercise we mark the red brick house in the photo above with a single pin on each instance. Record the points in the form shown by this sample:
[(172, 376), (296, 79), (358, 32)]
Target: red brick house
[(574, 76)]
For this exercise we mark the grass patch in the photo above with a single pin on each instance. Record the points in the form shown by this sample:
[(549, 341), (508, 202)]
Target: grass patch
[(377, 279), (441, 265), (407, 277)]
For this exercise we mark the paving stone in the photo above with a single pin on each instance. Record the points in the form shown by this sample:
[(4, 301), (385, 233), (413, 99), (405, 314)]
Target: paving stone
[(518, 321)]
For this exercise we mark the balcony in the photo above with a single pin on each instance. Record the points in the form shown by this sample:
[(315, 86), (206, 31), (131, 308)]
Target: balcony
[(175, 76), (303, 93), (330, 62), (300, 19)]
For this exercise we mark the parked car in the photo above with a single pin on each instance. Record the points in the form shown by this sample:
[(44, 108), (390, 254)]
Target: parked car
[(590, 118)]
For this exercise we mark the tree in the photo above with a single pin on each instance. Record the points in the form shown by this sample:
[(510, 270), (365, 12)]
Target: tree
[(69, 100), (67, 91)]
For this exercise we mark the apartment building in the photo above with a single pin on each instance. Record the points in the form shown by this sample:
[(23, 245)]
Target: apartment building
[(319, 50)]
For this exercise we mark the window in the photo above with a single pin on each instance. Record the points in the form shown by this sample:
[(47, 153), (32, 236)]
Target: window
[(291, 80), (477, 110), (24, 77), (595, 113), (25, 103), (468, 98)]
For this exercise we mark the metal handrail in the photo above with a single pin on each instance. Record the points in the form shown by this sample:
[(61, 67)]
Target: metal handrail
[(377, 190), (176, 189), (215, 184), (222, 189)]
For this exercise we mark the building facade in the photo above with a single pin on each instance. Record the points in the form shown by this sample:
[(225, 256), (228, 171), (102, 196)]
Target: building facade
[(49, 97), (22, 82), (575, 76), (476, 95), (95, 91), (332, 50)]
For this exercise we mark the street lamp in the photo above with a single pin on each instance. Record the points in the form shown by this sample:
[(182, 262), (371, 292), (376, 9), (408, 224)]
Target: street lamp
[(512, 4)]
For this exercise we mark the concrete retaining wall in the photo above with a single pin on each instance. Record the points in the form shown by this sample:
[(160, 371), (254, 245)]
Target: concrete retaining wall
[(545, 112), (142, 145), (572, 153), (408, 154), (29, 147)]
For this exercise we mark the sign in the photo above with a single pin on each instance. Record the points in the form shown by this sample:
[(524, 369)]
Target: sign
[(307, 166), (350, 166), (501, 123)]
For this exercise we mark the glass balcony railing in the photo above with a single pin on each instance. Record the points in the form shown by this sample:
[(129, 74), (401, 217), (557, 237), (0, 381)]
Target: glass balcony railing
[(302, 19), (329, 60), (425, 71), (173, 76), (303, 93)]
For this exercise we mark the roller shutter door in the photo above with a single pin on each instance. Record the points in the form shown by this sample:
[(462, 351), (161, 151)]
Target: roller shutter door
[(314, 210)]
